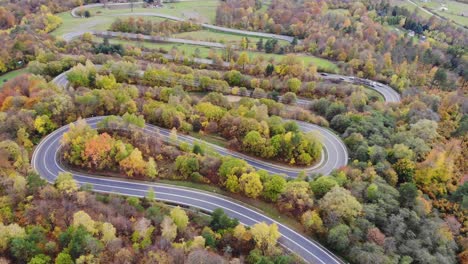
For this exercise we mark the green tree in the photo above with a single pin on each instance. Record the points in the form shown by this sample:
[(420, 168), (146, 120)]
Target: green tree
[(294, 85), (232, 166), (221, 221), (440, 77), (186, 165), (322, 185), (40, 259), (269, 69), (408, 194), (338, 237), (260, 44), (273, 187), (23, 249), (63, 258), (340, 201)]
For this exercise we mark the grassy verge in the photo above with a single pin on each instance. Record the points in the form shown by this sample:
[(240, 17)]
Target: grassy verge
[(216, 140), (322, 64), (222, 37), (269, 209)]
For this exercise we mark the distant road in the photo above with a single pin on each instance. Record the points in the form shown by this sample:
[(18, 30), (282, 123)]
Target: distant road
[(390, 95), (209, 26)]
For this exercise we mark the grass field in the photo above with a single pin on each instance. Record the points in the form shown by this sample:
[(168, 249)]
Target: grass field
[(222, 37), (322, 64), (454, 9), (98, 23), (102, 18), (204, 10), (10, 75)]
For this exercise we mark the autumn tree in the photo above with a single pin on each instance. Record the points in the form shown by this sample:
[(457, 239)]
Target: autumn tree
[(65, 182), (340, 202), (180, 218), (251, 184), (265, 236), (134, 164), (81, 218), (243, 60), (168, 229)]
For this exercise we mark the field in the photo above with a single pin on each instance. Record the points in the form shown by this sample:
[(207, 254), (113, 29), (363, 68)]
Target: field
[(98, 23), (10, 75), (456, 12), (203, 12), (102, 18), (222, 37)]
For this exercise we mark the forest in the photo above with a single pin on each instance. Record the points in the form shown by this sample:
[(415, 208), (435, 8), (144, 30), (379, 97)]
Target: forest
[(167, 115)]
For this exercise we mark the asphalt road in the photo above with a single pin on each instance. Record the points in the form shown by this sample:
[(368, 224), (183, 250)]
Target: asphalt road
[(45, 162)]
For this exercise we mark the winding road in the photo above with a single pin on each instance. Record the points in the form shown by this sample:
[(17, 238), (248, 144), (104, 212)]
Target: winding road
[(334, 154), (45, 162), (205, 25)]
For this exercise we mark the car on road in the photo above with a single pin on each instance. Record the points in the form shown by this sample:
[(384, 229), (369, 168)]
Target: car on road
[(323, 74)]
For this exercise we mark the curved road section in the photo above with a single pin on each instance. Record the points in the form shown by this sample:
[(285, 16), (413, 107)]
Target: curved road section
[(335, 154), (44, 161)]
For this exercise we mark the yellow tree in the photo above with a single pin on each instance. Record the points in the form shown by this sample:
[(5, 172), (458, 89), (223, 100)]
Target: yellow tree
[(133, 164), (180, 218), (243, 60), (251, 184), (82, 218), (108, 232), (66, 183), (265, 236)]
